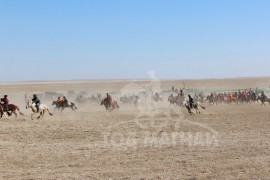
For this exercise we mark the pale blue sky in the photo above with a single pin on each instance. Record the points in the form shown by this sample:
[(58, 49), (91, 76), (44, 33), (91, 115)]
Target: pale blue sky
[(87, 39)]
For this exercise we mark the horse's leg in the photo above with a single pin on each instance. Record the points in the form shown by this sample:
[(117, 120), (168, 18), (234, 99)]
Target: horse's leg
[(74, 107), (32, 115), (4, 114), (40, 115), (48, 111), (43, 113), (14, 112), (189, 110)]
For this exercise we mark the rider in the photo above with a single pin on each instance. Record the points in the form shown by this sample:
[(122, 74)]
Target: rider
[(109, 99), (65, 101), (59, 100), (181, 93), (5, 101), (36, 101), (263, 95), (190, 100), (196, 96)]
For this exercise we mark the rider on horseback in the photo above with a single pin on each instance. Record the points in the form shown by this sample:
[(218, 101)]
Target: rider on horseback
[(109, 99), (65, 101), (263, 95), (181, 93), (59, 100), (36, 101), (5, 102), (190, 100)]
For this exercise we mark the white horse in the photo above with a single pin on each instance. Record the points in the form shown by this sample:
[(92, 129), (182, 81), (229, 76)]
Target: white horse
[(42, 109), (195, 105)]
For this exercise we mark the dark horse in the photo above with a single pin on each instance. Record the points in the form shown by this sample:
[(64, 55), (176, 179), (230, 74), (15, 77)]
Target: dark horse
[(63, 105), (178, 100), (11, 109), (263, 100)]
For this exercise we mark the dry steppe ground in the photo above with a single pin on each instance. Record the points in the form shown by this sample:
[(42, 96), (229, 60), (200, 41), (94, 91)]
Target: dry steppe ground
[(224, 142)]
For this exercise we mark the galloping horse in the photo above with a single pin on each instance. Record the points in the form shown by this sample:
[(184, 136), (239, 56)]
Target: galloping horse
[(178, 100), (195, 106), (63, 105), (108, 106), (12, 108), (42, 109), (263, 100)]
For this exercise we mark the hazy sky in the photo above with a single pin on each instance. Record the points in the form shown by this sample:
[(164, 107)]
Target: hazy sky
[(90, 39)]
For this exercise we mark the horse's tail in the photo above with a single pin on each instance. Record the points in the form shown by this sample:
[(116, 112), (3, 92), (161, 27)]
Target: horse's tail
[(116, 104), (202, 106), (18, 109)]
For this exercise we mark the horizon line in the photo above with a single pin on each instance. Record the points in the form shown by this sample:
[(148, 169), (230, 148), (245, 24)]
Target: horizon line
[(119, 80)]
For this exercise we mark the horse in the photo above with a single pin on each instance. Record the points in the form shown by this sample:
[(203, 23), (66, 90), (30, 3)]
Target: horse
[(113, 106), (42, 109), (211, 99), (63, 105), (263, 100), (12, 108), (195, 106), (94, 99), (157, 98), (178, 100)]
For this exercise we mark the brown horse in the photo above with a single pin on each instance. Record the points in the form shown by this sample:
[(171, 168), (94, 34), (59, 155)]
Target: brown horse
[(12, 108), (108, 106)]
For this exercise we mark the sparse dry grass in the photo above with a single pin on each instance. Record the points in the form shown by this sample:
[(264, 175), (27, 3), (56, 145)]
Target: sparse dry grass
[(71, 146)]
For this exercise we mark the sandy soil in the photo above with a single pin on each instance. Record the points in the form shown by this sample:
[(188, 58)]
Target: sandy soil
[(224, 142)]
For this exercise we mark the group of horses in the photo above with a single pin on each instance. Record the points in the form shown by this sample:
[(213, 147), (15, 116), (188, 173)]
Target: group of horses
[(43, 108), (83, 99), (13, 109), (237, 98), (110, 105)]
